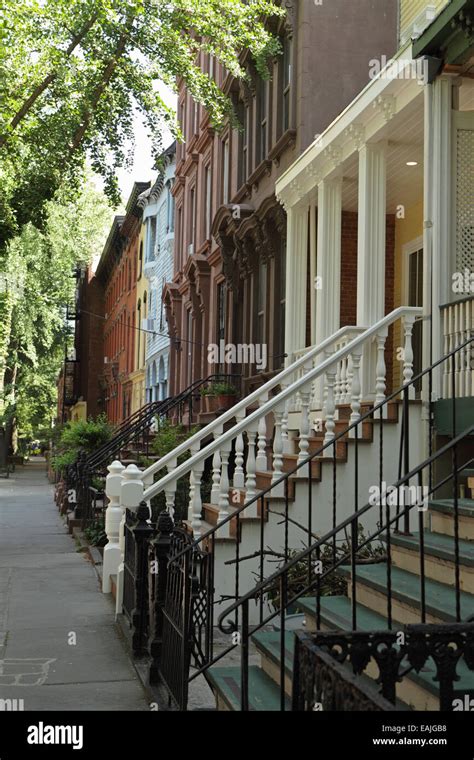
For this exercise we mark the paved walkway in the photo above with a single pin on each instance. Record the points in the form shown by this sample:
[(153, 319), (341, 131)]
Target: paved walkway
[(49, 598)]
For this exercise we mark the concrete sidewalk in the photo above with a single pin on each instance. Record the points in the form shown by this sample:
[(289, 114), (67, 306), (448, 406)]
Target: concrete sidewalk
[(49, 599)]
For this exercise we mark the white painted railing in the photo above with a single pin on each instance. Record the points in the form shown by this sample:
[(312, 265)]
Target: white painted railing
[(458, 327), (339, 368)]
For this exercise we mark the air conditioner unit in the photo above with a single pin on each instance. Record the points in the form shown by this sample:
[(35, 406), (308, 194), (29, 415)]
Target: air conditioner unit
[(106, 359), (148, 324), (190, 249)]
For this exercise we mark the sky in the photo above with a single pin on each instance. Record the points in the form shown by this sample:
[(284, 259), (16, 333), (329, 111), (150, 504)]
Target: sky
[(142, 168)]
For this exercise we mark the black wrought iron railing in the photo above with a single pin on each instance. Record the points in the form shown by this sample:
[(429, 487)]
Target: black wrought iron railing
[(185, 583)]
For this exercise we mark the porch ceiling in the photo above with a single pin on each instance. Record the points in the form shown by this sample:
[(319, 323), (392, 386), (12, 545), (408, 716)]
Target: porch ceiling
[(404, 135)]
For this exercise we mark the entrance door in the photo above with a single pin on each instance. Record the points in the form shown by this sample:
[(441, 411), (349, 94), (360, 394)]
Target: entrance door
[(415, 298)]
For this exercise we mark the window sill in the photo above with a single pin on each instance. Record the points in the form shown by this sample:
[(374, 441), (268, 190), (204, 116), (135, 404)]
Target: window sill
[(288, 139)]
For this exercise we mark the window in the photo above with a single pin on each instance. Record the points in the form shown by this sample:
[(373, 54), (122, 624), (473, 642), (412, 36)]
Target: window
[(151, 237), (139, 331), (208, 195), (262, 119), (244, 118), (221, 311), (211, 67), (195, 117), (192, 220), (261, 301), (286, 80), (169, 208), (140, 260), (225, 171), (180, 233), (162, 322)]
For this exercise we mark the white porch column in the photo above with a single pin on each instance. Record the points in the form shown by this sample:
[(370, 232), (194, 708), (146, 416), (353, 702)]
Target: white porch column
[(441, 208), (328, 267), (371, 249), (296, 273)]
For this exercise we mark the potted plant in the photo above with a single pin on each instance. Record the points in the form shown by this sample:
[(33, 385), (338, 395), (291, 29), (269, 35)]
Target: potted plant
[(209, 400), (225, 393)]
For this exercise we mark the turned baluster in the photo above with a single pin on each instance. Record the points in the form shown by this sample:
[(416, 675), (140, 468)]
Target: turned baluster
[(355, 389), (262, 463), (224, 486), (239, 475), (380, 369), (330, 408), (408, 355), (277, 463), (305, 427), (251, 468)]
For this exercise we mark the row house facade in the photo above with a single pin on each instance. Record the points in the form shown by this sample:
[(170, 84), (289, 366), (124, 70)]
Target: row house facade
[(121, 276), (158, 226), (230, 254)]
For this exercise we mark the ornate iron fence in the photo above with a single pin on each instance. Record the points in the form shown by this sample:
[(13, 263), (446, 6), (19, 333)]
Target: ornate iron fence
[(326, 665)]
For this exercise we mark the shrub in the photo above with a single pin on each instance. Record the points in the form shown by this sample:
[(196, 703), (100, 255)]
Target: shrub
[(87, 435)]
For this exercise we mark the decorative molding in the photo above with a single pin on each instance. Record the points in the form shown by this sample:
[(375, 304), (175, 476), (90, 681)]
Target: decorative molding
[(356, 132), (386, 105)]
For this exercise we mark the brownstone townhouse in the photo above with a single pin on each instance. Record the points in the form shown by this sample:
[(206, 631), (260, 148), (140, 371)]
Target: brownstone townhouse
[(230, 245)]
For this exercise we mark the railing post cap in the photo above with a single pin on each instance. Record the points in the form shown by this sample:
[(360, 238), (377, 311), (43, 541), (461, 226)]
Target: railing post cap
[(132, 472), (116, 467)]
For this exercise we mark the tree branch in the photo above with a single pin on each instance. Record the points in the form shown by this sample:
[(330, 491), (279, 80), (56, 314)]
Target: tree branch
[(49, 78)]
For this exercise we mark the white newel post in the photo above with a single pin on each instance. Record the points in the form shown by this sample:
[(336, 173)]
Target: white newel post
[(355, 389), (131, 494), (113, 518), (371, 250)]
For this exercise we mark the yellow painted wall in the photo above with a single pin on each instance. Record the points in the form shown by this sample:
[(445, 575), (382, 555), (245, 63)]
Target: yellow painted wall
[(79, 411), (410, 9), (406, 230)]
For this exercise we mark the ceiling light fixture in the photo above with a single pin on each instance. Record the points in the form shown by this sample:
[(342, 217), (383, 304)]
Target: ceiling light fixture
[(412, 163)]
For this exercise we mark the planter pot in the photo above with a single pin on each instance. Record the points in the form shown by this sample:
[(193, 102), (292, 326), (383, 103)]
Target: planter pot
[(226, 402), (210, 404)]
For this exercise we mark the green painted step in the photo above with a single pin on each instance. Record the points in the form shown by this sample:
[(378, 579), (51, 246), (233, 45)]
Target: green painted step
[(446, 506), (437, 545), (264, 694), (268, 643), (440, 598), (336, 614)]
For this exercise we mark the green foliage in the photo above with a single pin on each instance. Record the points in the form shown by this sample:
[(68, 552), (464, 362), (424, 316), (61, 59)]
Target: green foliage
[(87, 435), (169, 437), (37, 283), (95, 533), (73, 74), (223, 389)]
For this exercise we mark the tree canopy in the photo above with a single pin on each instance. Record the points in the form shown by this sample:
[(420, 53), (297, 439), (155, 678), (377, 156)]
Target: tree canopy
[(73, 73), (36, 285)]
